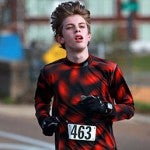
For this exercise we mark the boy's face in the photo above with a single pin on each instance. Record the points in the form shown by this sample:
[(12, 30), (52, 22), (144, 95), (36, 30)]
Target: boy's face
[(75, 34)]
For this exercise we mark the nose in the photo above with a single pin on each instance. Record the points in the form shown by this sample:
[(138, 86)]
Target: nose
[(77, 29)]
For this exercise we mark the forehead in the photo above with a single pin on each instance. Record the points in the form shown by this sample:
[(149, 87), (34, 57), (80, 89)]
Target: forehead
[(74, 19)]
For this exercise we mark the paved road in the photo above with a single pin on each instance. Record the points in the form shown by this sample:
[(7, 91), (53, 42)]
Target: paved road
[(19, 130)]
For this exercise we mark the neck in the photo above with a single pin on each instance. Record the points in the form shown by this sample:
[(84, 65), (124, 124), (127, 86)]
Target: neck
[(78, 57)]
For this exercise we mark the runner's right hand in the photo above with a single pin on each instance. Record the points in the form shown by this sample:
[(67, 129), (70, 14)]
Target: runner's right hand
[(49, 125)]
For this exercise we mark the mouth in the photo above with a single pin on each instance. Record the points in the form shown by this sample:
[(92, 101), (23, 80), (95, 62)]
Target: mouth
[(78, 38)]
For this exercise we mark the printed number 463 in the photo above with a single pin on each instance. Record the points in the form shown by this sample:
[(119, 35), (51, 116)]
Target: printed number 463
[(81, 132)]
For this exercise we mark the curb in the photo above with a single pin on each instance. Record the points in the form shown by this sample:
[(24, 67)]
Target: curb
[(141, 118), (17, 110), (29, 111)]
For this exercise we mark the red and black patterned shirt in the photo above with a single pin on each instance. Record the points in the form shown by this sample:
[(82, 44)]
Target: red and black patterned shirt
[(61, 85)]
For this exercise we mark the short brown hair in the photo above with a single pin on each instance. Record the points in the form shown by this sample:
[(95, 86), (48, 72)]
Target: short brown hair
[(67, 9)]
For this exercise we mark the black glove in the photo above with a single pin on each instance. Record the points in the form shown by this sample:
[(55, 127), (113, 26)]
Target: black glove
[(92, 104), (49, 125)]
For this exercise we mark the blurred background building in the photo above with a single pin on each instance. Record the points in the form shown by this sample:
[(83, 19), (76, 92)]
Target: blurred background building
[(31, 18), (120, 30)]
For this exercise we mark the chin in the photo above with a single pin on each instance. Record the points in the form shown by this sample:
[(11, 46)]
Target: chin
[(79, 49)]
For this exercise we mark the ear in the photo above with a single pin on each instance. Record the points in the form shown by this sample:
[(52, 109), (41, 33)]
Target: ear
[(59, 38), (89, 36)]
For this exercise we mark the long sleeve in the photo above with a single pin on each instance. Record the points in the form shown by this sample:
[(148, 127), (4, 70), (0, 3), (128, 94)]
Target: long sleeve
[(43, 97), (119, 90)]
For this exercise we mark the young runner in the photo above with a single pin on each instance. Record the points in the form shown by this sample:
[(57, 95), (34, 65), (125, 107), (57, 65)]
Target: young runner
[(86, 93)]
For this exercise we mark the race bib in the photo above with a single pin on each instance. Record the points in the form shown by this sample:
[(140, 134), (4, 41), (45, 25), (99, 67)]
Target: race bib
[(81, 132)]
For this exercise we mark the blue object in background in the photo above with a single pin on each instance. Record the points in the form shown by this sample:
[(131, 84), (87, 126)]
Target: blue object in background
[(11, 48)]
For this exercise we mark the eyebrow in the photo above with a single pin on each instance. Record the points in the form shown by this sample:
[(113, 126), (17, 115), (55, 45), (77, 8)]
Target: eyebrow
[(73, 24)]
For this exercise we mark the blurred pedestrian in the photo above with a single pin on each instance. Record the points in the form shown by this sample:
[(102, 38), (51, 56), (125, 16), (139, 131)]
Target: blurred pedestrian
[(86, 93)]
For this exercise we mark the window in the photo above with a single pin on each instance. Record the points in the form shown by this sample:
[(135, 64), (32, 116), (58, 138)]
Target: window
[(144, 30), (102, 8), (144, 7), (39, 33), (40, 8)]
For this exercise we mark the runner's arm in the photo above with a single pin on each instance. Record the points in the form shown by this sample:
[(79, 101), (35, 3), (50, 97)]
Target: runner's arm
[(43, 97), (121, 94)]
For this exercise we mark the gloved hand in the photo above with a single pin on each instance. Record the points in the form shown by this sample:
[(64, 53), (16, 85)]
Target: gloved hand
[(92, 104), (49, 125)]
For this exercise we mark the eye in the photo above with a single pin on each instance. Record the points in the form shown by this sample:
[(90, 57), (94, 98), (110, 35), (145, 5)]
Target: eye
[(69, 27), (82, 26)]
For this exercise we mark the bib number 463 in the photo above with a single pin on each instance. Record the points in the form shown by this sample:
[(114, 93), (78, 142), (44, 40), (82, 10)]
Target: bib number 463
[(81, 132)]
